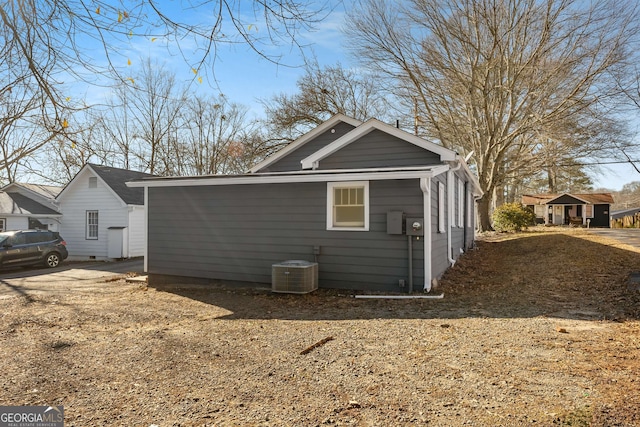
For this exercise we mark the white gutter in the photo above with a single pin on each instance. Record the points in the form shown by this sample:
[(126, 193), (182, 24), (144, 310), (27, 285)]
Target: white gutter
[(425, 186), (300, 176), (450, 199), (146, 229)]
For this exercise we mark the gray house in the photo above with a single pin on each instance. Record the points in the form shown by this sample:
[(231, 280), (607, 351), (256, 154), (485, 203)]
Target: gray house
[(375, 207)]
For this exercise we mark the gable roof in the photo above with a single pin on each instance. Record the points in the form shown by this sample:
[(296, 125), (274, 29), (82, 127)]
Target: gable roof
[(19, 204), (115, 179), (370, 125), (333, 121), (47, 191), (624, 212), (589, 198)]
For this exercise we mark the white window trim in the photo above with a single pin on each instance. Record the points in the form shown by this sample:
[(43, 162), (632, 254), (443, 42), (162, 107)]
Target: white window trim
[(588, 211), (3, 224), (441, 202), (461, 197), (87, 234), (330, 192)]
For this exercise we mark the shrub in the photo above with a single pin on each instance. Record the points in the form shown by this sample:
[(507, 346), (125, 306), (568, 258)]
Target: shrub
[(512, 217)]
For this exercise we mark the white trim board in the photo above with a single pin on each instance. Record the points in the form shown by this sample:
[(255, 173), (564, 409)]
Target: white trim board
[(325, 176), (304, 139), (311, 162)]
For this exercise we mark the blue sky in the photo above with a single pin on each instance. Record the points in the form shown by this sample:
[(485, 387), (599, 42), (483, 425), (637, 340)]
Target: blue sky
[(245, 78), (239, 73)]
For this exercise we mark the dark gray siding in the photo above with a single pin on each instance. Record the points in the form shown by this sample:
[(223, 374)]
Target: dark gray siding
[(291, 162), (565, 199), (377, 150), (439, 243), (238, 232)]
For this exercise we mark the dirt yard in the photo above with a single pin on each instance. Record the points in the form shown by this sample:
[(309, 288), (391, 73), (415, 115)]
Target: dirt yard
[(537, 328)]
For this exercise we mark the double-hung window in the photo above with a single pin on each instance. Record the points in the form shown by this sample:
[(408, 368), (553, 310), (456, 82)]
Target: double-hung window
[(348, 206), (92, 225)]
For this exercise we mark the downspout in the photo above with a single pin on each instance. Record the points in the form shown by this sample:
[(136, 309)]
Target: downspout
[(425, 186), (146, 228), (451, 191)]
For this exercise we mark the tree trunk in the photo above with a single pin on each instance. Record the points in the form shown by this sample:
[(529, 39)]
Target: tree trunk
[(484, 219), (552, 180)]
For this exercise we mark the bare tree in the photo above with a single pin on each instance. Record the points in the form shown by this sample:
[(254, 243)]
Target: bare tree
[(322, 93), (20, 132), (155, 101), (216, 137), (497, 77), (74, 37)]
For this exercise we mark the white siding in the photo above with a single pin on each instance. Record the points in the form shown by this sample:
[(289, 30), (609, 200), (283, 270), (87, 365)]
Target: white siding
[(136, 231), (16, 223), (77, 199)]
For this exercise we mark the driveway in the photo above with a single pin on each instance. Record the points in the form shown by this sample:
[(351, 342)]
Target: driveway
[(629, 236), (69, 277)]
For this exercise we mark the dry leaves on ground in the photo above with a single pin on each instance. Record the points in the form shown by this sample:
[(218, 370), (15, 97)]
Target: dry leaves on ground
[(538, 327)]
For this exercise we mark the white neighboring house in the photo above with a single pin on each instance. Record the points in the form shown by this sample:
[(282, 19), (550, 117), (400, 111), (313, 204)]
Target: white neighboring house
[(102, 218), (29, 206)]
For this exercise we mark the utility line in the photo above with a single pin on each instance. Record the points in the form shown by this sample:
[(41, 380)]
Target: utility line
[(597, 163)]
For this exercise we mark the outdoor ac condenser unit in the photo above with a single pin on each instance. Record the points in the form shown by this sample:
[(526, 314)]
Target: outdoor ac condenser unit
[(295, 277)]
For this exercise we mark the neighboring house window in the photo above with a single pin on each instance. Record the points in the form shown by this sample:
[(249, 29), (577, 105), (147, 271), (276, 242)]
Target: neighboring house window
[(589, 211), (92, 225), (93, 182), (441, 204), (3, 224), (348, 206)]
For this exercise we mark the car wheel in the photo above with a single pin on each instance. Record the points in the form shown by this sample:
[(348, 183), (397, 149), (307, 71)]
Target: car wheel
[(52, 260)]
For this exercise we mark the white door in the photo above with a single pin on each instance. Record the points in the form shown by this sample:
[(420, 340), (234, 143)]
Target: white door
[(558, 214), (115, 245)]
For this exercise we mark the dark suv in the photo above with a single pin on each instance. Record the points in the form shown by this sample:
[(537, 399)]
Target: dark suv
[(31, 247)]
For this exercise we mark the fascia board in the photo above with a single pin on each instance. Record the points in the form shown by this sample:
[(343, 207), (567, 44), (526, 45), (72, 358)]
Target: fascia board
[(478, 192), (31, 194), (370, 125), (346, 175), (304, 139), (93, 173), (66, 187)]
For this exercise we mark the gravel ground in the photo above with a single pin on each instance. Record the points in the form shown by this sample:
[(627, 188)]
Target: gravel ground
[(536, 328)]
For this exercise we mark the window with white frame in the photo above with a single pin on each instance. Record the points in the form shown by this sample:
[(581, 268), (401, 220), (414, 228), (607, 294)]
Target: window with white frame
[(588, 211), (348, 206), (441, 204), (92, 225), (3, 224)]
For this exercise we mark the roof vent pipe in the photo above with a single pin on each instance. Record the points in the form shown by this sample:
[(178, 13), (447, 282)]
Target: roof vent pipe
[(398, 124)]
